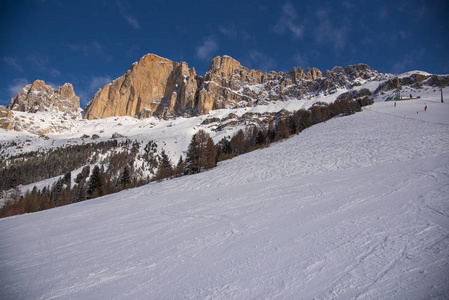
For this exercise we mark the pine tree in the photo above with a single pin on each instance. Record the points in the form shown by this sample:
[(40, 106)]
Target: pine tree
[(125, 177), (30, 202), (165, 168), (95, 188), (226, 146), (238, 143), (201, 153), (261, 138), (179, 167), (281, 130)]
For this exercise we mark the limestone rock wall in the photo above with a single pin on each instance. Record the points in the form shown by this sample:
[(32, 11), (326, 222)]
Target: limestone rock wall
[(42, 97), (153, 86), (156, 86)]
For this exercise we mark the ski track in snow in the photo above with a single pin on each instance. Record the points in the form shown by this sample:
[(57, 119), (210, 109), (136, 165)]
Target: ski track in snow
[(354, 208)]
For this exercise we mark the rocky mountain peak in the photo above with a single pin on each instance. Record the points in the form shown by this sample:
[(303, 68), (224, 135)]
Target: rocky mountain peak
[(156, 86), (39, 96), (152, 86), (224, 66)]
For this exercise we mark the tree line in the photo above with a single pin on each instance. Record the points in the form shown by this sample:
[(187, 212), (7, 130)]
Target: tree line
[(121, 172)]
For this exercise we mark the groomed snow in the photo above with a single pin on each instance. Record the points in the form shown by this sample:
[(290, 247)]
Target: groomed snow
[(354, 208)]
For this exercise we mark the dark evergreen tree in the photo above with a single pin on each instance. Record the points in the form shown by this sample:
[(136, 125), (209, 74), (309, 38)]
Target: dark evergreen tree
[(238, 143), (292, 125), (226, 146), (67, 180), (125, 177), (95, 188), (271, 133), (83, 174), (261, 138), (179, 167), (281, 130), (201, 153), (165, 168)]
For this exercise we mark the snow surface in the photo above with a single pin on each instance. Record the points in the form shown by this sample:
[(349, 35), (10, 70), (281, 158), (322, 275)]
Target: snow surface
[(353, 208)]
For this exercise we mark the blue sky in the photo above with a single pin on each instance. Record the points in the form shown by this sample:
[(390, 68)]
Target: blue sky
[(90, 43)]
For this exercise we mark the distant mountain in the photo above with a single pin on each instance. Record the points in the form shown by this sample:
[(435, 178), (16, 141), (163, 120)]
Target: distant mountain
[(62, 103), (44, 98), (159, 87)]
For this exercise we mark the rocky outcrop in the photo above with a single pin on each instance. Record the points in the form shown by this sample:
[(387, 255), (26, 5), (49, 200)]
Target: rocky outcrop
[(39, 108), (152, 86), (44, 98), (354, 94), (155, 86), (438, 80), (6, 118), (415, 80), (228, 84)]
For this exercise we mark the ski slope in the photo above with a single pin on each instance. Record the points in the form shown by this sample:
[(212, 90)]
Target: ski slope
[(354, 208)]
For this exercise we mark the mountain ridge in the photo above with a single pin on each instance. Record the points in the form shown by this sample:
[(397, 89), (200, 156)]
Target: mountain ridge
[(177, 90), (158, 87)]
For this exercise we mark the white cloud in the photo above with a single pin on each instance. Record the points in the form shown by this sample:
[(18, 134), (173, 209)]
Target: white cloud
[(98, 82), (133, 51), (13, 63), (87, 86), (91, 49), (301, 60), (348, 4), (261, 61), (232, 31), (287, 22), (207, 48), (52, 84), (229, 31), (408, 61), (54, 72), (40, 63), (133, 21), (383, 14), (328, 32), (129, 18), (16, 86)]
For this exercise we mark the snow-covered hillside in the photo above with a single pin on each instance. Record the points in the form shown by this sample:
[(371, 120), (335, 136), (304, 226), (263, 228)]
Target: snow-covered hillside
[(173, 135), (356, 207)]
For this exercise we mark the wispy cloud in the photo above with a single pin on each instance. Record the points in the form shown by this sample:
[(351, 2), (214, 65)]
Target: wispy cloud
[(90, 49), (133, 51), (328, 32), (93, 48), (408, 61), (229, 30), (232, 31), (301, 60), (11, 61), (87, 86), (16, 85), (207, 48), (287, 22), (126, 15), (261, 61), (40, 62), (421, 9), (98, 82), (348, 4), (383, 13)]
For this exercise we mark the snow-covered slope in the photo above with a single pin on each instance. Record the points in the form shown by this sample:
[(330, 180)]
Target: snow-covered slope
[(356, 207)]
